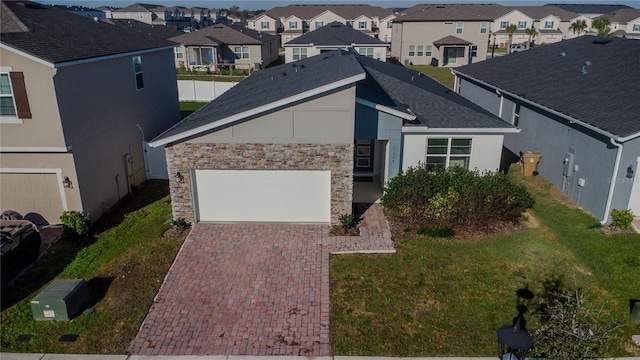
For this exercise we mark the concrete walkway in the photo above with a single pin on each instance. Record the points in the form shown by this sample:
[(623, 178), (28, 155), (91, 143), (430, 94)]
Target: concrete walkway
[(11, 356), (253, 289)]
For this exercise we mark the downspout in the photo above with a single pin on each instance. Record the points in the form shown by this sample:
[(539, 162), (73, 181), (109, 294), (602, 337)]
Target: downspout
[(614, 179), (455, 83)]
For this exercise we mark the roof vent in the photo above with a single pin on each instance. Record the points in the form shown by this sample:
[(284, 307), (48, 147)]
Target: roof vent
[(563, 54), (283, 74), (602, 41)]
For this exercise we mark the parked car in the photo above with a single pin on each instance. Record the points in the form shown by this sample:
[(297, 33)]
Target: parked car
[(19, 243), (517, 48)]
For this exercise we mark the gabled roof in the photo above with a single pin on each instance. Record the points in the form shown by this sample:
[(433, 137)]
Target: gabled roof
[(451, 40), (623, 15), (400, 91), (451, 12), (335, 34), (139, 7), (223, 34), (159, 31), (604, 98), (590, 8), (540, 12), (309, 11), (57, 36)]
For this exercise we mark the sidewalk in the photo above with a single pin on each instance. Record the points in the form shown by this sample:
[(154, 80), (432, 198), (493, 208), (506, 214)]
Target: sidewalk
[(12, 356)]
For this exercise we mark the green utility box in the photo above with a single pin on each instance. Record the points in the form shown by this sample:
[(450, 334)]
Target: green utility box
[(61, 300)]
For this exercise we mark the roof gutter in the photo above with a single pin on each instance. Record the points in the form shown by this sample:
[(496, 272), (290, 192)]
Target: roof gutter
[(565, 116), (385, 109), (612, 183), (425, 129), (257, 111)]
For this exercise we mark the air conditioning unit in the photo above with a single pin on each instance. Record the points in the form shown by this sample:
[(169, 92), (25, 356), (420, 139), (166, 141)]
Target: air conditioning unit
[(62, 300)]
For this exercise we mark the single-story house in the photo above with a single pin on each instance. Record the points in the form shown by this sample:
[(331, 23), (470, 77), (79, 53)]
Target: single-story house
[(285, 144), (334, 36), (580, 109)]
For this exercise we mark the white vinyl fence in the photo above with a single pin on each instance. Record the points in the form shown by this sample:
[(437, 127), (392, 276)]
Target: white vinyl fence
[(204, 91)]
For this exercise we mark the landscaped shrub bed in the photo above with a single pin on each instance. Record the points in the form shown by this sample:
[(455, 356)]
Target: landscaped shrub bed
[(456, 198)]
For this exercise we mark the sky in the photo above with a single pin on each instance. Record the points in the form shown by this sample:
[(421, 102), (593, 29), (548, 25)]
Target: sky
[(268, 4)]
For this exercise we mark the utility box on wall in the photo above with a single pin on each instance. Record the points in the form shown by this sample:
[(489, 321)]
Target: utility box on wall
[(62, 300)]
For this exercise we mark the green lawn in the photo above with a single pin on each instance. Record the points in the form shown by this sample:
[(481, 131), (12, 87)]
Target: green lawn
[(188, 107), (440, 74), (448, 298), (124, 265)]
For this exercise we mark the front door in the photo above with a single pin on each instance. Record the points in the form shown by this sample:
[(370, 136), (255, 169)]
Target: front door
[(363, 156)]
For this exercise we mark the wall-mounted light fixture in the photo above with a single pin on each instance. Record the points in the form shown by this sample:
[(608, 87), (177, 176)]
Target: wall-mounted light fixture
[(630, 172), (179, 178), (67, 183)]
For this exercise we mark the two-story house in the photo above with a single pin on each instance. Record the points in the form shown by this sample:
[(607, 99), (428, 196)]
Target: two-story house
[(625, 22), (79, 98), (447, 35)]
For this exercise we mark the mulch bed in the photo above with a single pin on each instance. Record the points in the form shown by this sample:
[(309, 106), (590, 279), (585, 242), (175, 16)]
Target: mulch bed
[(612, 230), (338, 230)]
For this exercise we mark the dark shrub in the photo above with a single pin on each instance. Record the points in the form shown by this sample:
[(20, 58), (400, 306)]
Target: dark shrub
[(435, 231)]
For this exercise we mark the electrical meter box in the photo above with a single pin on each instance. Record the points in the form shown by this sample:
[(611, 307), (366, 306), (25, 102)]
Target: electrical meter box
[(62, 300)]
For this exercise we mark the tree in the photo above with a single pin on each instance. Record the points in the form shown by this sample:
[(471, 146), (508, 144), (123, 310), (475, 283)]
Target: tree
[(510, 30), (578, 27), (532, 32), (603, 25)]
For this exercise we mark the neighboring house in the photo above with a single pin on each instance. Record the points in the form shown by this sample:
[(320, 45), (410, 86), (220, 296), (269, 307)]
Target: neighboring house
[(145, 13), (285, 144), (625, 22), (76, 110), (552, 24), (581, 113), (225, 45), (178, 17), (590, 10), (294, 20), (447, 35), (107, 10), (334, 36), (82, 11), (159, 31)]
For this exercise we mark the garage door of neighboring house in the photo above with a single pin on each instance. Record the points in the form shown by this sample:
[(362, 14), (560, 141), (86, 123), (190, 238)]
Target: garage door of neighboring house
[(302, 196), (36, 194)]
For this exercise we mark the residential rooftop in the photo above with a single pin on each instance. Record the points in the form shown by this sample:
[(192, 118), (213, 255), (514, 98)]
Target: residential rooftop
[(336, 34)]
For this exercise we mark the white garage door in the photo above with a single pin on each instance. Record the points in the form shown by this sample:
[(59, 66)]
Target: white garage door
[(32, 193), (263, 195)]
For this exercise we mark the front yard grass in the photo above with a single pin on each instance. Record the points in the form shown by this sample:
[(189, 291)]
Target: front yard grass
[(448, 298), (124, 265), (441, 74)]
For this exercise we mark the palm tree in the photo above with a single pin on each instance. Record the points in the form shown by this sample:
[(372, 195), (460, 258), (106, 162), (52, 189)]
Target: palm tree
[(578, 27), (532, 32), (603, 25), (510, 30)]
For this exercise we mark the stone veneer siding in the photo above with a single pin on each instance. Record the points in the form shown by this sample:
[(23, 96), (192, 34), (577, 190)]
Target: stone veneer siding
[(185, 157)]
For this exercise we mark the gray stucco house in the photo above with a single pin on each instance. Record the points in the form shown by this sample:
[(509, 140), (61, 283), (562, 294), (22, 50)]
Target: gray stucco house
[(285, 144), (577, 103)]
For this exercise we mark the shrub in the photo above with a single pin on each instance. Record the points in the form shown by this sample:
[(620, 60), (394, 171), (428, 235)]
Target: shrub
[(75, 223), (435, 231), (622, 218), (347, 221), (455, 197), (573, 329), (181, 223)]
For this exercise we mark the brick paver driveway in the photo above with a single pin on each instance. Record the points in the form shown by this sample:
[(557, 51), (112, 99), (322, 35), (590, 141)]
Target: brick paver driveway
[(252, 289)]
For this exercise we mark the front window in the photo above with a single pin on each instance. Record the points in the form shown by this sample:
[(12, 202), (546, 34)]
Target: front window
[(483, 27), (7, 104), (179, 52), (350, 23), (264, 25), (362, 24), (504, 24), (368, 52), (242, 52), (427, 51), (412, 50), (200, 56), (299, 53), (474, 51), (293, 24), (389, 24), (636, 27), (459, 28), (137, 71), (448, 152), (319, 24), (548, 24), (522, 24), (419, 50)]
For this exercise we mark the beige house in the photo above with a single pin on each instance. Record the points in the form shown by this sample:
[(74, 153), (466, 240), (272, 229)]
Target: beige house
[(625, 22), (75, 113), (442, 35)]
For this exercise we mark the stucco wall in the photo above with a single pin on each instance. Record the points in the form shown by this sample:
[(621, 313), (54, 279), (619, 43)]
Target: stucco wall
[(187, 157)]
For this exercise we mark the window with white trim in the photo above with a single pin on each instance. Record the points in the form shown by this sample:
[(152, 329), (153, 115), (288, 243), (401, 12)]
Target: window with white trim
[(264, 25), (474, 50), (636, 28), (427, 50), (412, 50), (7, 103), (504, 24), (293, 24), (179, 51), (319, 24), (389, 24), (516, 115), (141, 16), (362, 24), (448, 152), (459, 28), (420, 50), (522, 24), (299, 53), (368, 52), (242, 52), (484, 27), (548, 24), (137, 72)]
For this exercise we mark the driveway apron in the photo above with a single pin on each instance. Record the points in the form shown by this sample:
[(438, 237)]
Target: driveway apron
[(249, 289)]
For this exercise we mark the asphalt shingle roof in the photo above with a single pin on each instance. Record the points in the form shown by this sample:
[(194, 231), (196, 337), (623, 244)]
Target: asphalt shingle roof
[(161, 31), (590, 8), (335, 34), (451, 12), (394, 86), (59, 36), (624, 15), (309, 11), (222, 34), (606, 97)]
